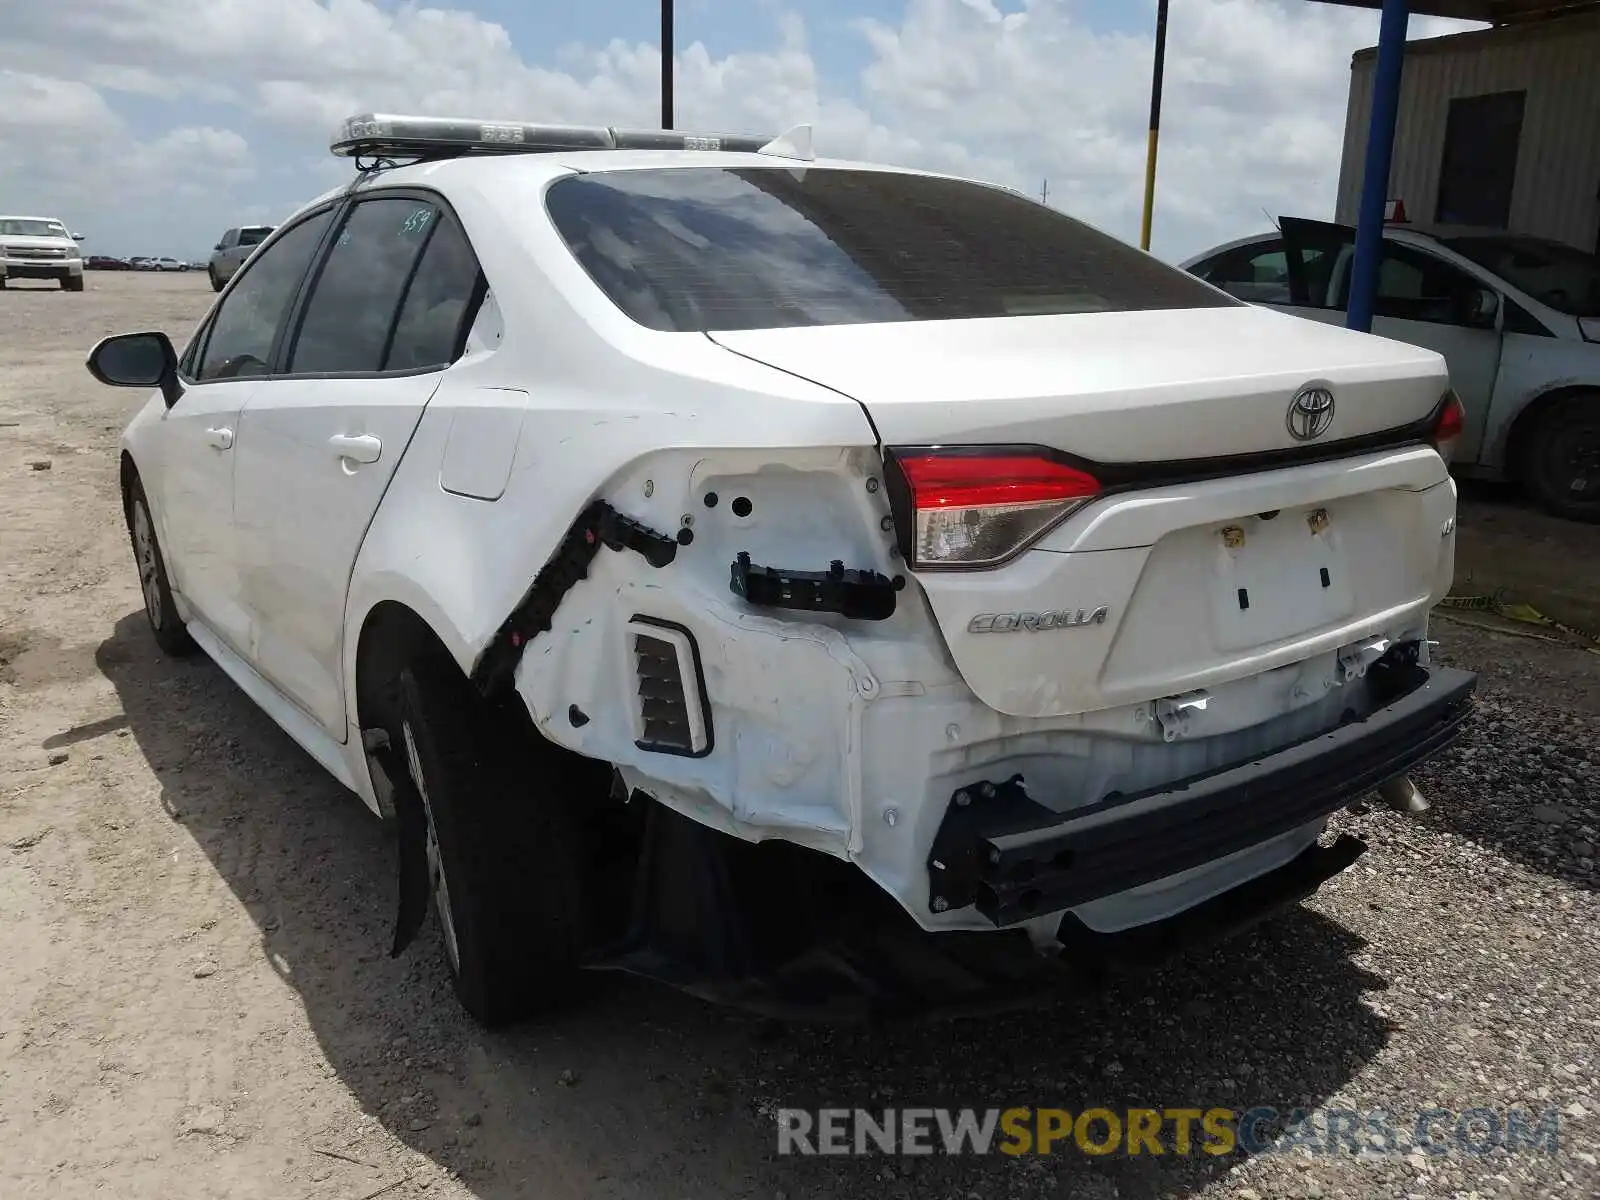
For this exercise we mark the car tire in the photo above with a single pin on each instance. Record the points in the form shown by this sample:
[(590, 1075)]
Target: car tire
[(216, 284), (72, 283), (159, 608), (1561, 458), (504, 854)]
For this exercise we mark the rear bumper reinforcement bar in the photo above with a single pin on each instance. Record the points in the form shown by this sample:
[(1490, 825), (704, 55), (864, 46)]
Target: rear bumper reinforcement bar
[(1015, 859)]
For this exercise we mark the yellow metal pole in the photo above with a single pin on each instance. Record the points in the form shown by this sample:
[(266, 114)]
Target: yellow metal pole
[(1155, 125)]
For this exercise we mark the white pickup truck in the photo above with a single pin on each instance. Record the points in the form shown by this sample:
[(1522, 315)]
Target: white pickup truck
[(40, 248)]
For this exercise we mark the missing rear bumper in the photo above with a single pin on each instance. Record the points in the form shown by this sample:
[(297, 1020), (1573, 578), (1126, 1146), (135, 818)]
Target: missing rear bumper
[(1015, 859), (776, 930)]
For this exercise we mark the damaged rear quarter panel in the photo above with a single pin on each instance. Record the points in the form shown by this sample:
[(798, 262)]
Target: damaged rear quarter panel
[(786, 690), (597, 399)]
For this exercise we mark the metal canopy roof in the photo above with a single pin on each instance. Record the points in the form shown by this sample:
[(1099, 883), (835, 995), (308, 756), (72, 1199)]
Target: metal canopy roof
[(1497, 12)]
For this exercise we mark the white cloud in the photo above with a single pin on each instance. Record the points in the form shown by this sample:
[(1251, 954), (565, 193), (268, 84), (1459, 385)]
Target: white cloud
[(66, 152), (1254, 109)]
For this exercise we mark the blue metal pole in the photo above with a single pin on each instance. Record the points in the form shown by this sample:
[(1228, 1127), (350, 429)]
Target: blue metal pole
[(1375, 173)]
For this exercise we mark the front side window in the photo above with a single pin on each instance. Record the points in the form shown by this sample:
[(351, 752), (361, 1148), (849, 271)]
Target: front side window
[(707, 248), (1413, 286), (246, 325), (357, 294)]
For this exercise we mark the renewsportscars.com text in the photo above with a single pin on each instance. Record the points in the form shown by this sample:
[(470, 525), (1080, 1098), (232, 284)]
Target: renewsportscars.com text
[(1162, 1131)]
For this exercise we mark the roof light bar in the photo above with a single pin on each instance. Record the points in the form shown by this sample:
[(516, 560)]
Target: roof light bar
[(376, 135)]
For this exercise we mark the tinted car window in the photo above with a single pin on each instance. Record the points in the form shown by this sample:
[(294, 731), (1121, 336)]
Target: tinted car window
[(242, 333), (357, 293), (1419, 287), (1258, 273), (1562, 276), (705, 248), (253, 236), (439, 303)]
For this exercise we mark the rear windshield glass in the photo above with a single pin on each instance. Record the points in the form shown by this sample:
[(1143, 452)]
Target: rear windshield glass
[(1562, 276), (706, 248), (249, 236)]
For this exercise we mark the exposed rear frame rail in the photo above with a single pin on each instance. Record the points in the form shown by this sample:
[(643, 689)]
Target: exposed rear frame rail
[(599, 525)]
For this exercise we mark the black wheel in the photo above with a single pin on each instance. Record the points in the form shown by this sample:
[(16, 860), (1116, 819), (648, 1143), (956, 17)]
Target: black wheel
[(162, 613), (72, 283), (216, 284), (504, 852), (1561, 458)]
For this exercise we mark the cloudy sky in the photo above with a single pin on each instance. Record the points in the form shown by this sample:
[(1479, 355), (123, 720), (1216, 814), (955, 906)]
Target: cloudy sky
[(152, 125)]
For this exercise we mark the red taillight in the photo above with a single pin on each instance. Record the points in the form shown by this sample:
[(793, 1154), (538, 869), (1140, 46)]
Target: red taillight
[(1452, 420), (978, 508)]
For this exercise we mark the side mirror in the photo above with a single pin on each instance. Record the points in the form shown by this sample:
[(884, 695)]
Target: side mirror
[(140, 360), (77, 237), (218, 246), (1484, 308)]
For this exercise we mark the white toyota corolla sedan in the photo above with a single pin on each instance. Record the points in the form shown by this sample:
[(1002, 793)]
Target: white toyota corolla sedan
[(820, 586)]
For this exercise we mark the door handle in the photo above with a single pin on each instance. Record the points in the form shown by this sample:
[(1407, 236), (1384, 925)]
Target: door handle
[(361, 448), (220, 439)]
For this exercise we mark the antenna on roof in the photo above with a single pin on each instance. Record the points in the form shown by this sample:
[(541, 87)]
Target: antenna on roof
[(796, 143)]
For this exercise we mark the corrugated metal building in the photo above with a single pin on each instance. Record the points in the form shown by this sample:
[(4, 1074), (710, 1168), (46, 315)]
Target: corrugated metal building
[(1497, 127)]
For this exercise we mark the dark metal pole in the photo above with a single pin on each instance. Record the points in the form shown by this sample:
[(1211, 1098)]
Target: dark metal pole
[(1375, 172), (666, 64), (1155, 124)]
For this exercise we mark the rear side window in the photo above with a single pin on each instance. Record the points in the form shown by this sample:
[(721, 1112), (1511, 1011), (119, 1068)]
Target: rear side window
[(254, 236), (357, 293), (439, 303), (1257, 273), (705, 248)]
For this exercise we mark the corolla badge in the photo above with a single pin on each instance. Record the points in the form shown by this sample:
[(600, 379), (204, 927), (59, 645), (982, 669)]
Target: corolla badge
[(1038, 622), (1310, 414)]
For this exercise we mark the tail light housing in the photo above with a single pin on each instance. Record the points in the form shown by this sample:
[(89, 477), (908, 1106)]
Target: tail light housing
[(1448, 426), (975, 507)]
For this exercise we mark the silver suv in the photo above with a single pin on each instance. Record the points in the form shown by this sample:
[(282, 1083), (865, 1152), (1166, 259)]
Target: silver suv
[(229, 254)]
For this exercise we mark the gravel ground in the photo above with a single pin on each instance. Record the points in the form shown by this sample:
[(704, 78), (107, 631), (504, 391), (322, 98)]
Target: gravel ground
[(196, 1000)]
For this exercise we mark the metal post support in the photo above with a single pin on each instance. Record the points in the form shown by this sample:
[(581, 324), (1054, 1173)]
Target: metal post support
[(1375, 172), (666, 64), (1154, 136)]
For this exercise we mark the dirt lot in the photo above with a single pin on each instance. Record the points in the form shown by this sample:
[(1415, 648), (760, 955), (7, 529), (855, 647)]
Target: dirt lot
[(195, 997)]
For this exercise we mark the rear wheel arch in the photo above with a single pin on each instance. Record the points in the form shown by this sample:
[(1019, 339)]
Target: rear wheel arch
[(391, 635), (490, 834), (394, 635)]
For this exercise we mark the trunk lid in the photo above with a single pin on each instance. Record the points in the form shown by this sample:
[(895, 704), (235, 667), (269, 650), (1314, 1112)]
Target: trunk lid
[(1199, 576), (1114, 387)]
